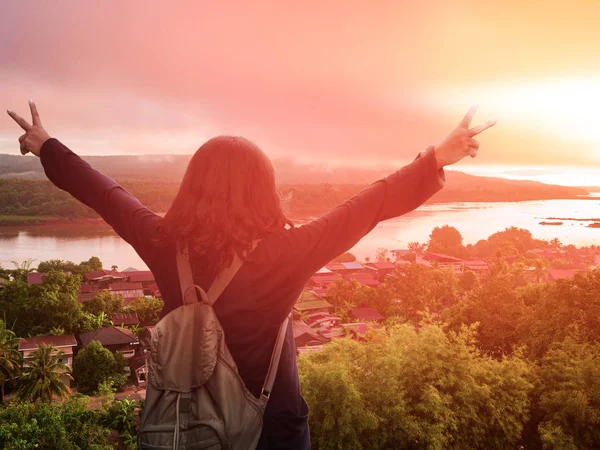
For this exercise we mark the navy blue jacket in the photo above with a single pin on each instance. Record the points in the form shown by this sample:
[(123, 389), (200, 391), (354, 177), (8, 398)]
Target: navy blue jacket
[(264, 290)]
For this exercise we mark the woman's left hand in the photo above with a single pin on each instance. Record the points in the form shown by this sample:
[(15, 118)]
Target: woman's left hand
[(35, 135)]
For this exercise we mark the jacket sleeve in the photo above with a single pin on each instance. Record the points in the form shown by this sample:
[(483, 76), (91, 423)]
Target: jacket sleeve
[(135, 223), (301, 251)]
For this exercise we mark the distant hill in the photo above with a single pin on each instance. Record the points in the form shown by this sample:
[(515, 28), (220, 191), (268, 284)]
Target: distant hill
[(314, 188)]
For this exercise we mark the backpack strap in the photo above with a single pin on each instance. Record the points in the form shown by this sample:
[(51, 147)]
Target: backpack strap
[(274, 365), (189, 290)]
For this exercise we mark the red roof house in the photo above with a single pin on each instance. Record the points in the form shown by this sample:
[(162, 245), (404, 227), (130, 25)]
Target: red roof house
[(141, 276), (36, 278), (65, 343), (562, 274), (116, 339), (104, 275), (125, 319), (304, 336), (128, 291)]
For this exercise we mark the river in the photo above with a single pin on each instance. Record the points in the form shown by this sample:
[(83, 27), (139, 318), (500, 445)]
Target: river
[(474, 220)]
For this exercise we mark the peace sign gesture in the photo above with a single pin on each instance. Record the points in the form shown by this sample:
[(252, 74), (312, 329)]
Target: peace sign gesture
[(460, 142), (35, 135)]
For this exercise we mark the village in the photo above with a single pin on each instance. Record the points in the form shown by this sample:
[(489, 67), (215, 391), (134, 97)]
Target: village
[(316, 321)]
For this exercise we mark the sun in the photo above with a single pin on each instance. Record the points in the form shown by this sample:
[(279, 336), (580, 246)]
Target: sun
[(567, 108)]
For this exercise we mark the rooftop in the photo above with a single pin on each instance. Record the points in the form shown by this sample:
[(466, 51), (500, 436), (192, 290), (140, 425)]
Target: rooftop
[(125, 319), (35, 277), (141, 276), (561, 274), (314, 304), (440, 257), (381, 265), (100, 275), (125, 286), (66, 340), (108, 336)]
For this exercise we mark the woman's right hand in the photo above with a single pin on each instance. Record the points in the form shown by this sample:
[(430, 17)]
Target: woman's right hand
[(460, 142), (35, 135)]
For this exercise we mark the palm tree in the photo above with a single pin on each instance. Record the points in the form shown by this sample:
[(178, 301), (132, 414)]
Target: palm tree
[(541, 267), (42, 376), (10, 357)]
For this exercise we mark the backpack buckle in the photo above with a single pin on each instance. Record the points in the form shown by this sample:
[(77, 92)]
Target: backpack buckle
[(265, 394)]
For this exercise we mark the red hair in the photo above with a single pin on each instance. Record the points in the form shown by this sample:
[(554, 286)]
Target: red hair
[(228, 198)]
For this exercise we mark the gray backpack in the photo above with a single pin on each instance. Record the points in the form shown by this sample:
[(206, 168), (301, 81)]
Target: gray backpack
[(195, 398)]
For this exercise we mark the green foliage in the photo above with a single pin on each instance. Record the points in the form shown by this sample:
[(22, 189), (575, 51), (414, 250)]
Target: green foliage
[(418, 288), (446, 240), (469, 281), (147, 309), (37, 309), (382, 255), (43, 374), (10, 357), (120, 416), (69, 426), (104, 302), (511, 241), (414, 390), (555, 311), (83, 267), (570, 398), (95, 364), (497, 309)]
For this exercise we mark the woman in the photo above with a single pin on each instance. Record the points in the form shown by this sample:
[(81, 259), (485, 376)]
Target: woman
[(228, 199)]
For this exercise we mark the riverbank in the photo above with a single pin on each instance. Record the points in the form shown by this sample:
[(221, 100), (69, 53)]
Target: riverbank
[(307, 213), (13, 221)]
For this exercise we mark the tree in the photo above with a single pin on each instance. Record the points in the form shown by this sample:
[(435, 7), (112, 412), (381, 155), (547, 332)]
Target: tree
[(496, 309), (416, 247), (469, 281), (350, 294), (447, 240), (556, 311), (95, 364), (147, 309), (22, 269), (54, 303), (419, 288), (42, 376), (555, 243), (570, 396), (414, 390), (382, 255), (104, 302), (510, 241), (83, 267), (10, 357), (541, 267)]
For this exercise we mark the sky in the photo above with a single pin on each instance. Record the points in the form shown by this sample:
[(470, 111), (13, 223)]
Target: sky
[(336, 82)]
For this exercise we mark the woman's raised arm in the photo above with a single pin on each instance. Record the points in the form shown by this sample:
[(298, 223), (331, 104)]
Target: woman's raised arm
[(305, 249), (135, 223)]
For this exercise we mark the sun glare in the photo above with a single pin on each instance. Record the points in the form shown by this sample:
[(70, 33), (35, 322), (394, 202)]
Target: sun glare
[(566, 108)]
